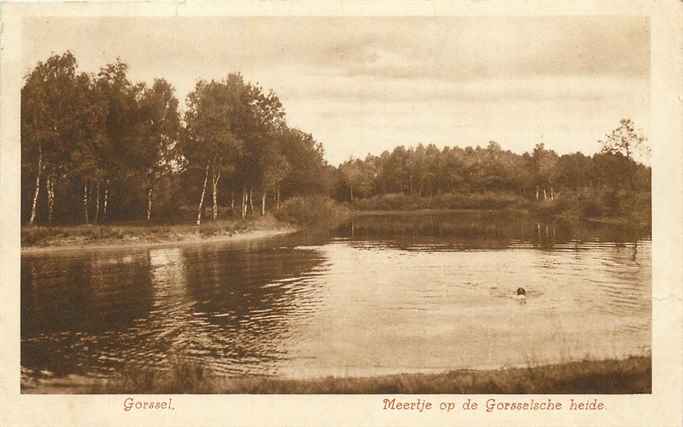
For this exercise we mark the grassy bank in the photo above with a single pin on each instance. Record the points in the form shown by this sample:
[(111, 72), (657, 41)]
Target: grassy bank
[(39, 238), (617, 208), (297, 212), (313, 211), (450, 201), (614, 376), (427, 212)]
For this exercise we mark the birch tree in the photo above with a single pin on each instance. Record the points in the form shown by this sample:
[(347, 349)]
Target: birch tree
[(158, 136), (54, 105), (210, 144), (275, 170), (626, 141)]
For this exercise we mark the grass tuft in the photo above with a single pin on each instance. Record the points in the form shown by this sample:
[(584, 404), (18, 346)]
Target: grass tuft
[(632, 375)]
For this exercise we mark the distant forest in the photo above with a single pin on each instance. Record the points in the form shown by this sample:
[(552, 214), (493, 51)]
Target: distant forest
[(100, 148)]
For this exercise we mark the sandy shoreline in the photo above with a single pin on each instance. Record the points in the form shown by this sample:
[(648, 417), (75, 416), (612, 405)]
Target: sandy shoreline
[(182, 240)]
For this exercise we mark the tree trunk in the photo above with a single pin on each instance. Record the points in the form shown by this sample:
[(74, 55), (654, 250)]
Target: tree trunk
[(50, 198), (34, 205), (106, 200), (150, 195), (351, 192), (214, 180), (243, 207), (263, 203), (97, 203), (277, 198), (251, 200), (537, 193), (85, 202), (232, 202), (201, 199), (545, 195)]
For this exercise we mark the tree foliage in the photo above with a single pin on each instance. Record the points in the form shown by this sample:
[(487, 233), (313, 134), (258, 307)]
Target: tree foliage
[(116, 148), (101, 147)]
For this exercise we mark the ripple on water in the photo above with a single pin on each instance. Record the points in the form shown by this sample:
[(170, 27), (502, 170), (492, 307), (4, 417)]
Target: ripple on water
[(356, 304)]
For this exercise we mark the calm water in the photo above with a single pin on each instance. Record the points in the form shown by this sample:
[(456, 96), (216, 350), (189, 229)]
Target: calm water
[(383, 294)]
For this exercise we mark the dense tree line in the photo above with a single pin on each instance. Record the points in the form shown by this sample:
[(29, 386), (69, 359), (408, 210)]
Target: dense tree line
[(99, 147), (542, 175)]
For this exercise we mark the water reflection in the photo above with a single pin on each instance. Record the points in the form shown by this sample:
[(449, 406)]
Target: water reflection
[(95, 314), (483, 230), (250, 297), (383, 294)]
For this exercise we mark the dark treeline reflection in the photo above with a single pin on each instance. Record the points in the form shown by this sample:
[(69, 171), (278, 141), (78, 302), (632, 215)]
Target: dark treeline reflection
[(483, 230), (67, 301), (110, 310), (97, 292), (355, 301), (251, 296)]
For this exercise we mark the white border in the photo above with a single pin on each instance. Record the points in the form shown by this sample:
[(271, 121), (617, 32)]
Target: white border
[(661, 408)]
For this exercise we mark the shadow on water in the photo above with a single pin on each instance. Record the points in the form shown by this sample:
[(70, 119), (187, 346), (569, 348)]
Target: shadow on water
[(483, 230), (97, 313), (380, 294), (67, 302), (251, 296)]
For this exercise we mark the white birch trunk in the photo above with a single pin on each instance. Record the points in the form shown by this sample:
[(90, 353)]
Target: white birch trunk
[(106, 200), (34, 205), (251, 200), (201, 199), (50, 198), (263, 203), (215, 179), (244, 203), (85, 202), (150, 194), (97, 203)]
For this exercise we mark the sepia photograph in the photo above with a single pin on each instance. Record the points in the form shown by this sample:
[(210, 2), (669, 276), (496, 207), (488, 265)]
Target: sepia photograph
[(336, 205)]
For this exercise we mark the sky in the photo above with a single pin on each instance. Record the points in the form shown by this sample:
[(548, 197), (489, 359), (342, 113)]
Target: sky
[(365, 85)]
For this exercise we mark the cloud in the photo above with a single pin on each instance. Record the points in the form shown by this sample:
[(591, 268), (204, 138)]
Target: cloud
[(476, 48), (367, 84), (450, 48), (364, 89)]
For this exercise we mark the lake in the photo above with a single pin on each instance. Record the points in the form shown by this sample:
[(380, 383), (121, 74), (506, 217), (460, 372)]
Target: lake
[(382, 294)]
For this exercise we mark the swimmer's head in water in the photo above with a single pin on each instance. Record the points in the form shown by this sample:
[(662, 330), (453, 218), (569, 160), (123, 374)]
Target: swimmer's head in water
[(521, 291)]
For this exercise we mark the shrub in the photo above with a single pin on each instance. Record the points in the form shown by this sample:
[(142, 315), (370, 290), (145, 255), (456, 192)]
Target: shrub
[(399, 201), (312, 210)]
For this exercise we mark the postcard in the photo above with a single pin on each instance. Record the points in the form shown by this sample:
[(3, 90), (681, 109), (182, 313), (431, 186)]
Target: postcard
[(291, 213)]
